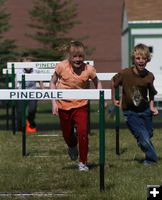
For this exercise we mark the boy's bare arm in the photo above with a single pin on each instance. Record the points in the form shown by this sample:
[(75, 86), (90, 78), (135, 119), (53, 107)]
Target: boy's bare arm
[(114, 101), (53, 86), (41, 85), (153, 109), (97, 83)]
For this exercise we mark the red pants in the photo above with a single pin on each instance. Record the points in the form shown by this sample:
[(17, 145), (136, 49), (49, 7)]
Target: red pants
[(77, 117)]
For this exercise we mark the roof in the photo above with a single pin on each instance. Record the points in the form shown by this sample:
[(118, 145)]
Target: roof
[(138, 10)]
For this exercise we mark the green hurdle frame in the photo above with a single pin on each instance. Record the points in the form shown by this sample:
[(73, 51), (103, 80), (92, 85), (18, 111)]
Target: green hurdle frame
[(8, 102), (117, 122), (23, 120), (102, 141), (101, 134), (101, 128), (13, 103)]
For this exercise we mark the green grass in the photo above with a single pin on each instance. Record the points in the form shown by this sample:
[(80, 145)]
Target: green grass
[(47, 167)]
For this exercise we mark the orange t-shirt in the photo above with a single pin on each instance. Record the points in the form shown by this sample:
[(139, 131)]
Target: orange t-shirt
[(68, 79)]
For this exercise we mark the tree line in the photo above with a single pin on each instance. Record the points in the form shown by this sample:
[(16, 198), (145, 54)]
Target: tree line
[(51, 20)]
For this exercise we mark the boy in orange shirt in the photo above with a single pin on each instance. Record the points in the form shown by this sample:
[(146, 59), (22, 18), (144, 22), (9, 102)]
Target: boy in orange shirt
[(73, 73)]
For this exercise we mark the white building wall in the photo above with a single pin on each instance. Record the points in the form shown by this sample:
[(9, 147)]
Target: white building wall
[(125, 21), (125, 50), (155, 65)]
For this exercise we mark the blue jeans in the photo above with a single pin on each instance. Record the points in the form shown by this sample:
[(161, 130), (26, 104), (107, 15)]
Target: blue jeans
[(140, 125)]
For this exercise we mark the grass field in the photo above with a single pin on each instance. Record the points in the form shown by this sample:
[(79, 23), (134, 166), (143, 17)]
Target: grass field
[(48, 173), (47, 168)]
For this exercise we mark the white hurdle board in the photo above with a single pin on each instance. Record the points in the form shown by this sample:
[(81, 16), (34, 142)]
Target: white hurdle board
[(47, 77), (40, 67), (43, 71), (26, 94), (48, 94)]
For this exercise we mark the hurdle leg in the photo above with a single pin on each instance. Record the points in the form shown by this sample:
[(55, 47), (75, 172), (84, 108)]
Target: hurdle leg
[(7, 103), (23, 128), (23, 120), (13, 117), (117, 122), (13, 103), (102, 141), (117, 140), (89, 113), (7, 115)]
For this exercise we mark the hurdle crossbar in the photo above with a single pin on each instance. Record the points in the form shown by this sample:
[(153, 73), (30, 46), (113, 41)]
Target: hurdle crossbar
[(47, 77), (101, 95), (42, 66), (47, 94)]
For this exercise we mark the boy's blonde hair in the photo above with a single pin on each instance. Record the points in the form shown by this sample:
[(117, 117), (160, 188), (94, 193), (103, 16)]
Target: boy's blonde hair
[(142, 50)]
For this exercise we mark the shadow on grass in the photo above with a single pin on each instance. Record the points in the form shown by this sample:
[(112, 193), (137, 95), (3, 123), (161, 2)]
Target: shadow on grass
[(93, 166), (109, 186), (122, 151), (74, 166), (56, 125)]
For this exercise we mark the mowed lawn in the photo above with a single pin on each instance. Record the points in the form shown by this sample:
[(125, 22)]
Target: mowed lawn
[(48, 173)]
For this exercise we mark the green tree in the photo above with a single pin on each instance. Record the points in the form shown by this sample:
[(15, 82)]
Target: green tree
[(7, 46), (51, 20)]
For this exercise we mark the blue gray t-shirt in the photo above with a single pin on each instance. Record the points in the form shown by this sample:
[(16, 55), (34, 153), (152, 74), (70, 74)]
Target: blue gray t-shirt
[(28, 84)]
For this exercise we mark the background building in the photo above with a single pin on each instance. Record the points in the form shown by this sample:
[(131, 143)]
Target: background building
[(144, 27), (100, 22)]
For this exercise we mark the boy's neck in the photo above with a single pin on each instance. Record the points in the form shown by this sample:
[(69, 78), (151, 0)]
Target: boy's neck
[(141, 73)]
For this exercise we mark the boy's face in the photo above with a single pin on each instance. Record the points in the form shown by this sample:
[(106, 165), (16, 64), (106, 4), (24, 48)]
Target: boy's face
[(77, 60), (140, 62)]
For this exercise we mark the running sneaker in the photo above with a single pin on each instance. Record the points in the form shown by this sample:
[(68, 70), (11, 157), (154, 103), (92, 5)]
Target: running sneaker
[(83, 167)]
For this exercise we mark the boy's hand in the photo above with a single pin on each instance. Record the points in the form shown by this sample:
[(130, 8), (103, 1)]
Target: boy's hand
[(54, 108), (116, 103), (154, 110), (106, 104)]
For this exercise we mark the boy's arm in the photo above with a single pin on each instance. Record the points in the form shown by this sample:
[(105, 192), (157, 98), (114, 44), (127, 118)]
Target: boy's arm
[(41, 85), (152, 93), (97, 83), (53, 82), (114, 101), (153, 109)]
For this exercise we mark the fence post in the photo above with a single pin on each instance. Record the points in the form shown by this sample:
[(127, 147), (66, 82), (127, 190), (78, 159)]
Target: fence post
[(102, 140), (117, 121), (23, 120)]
